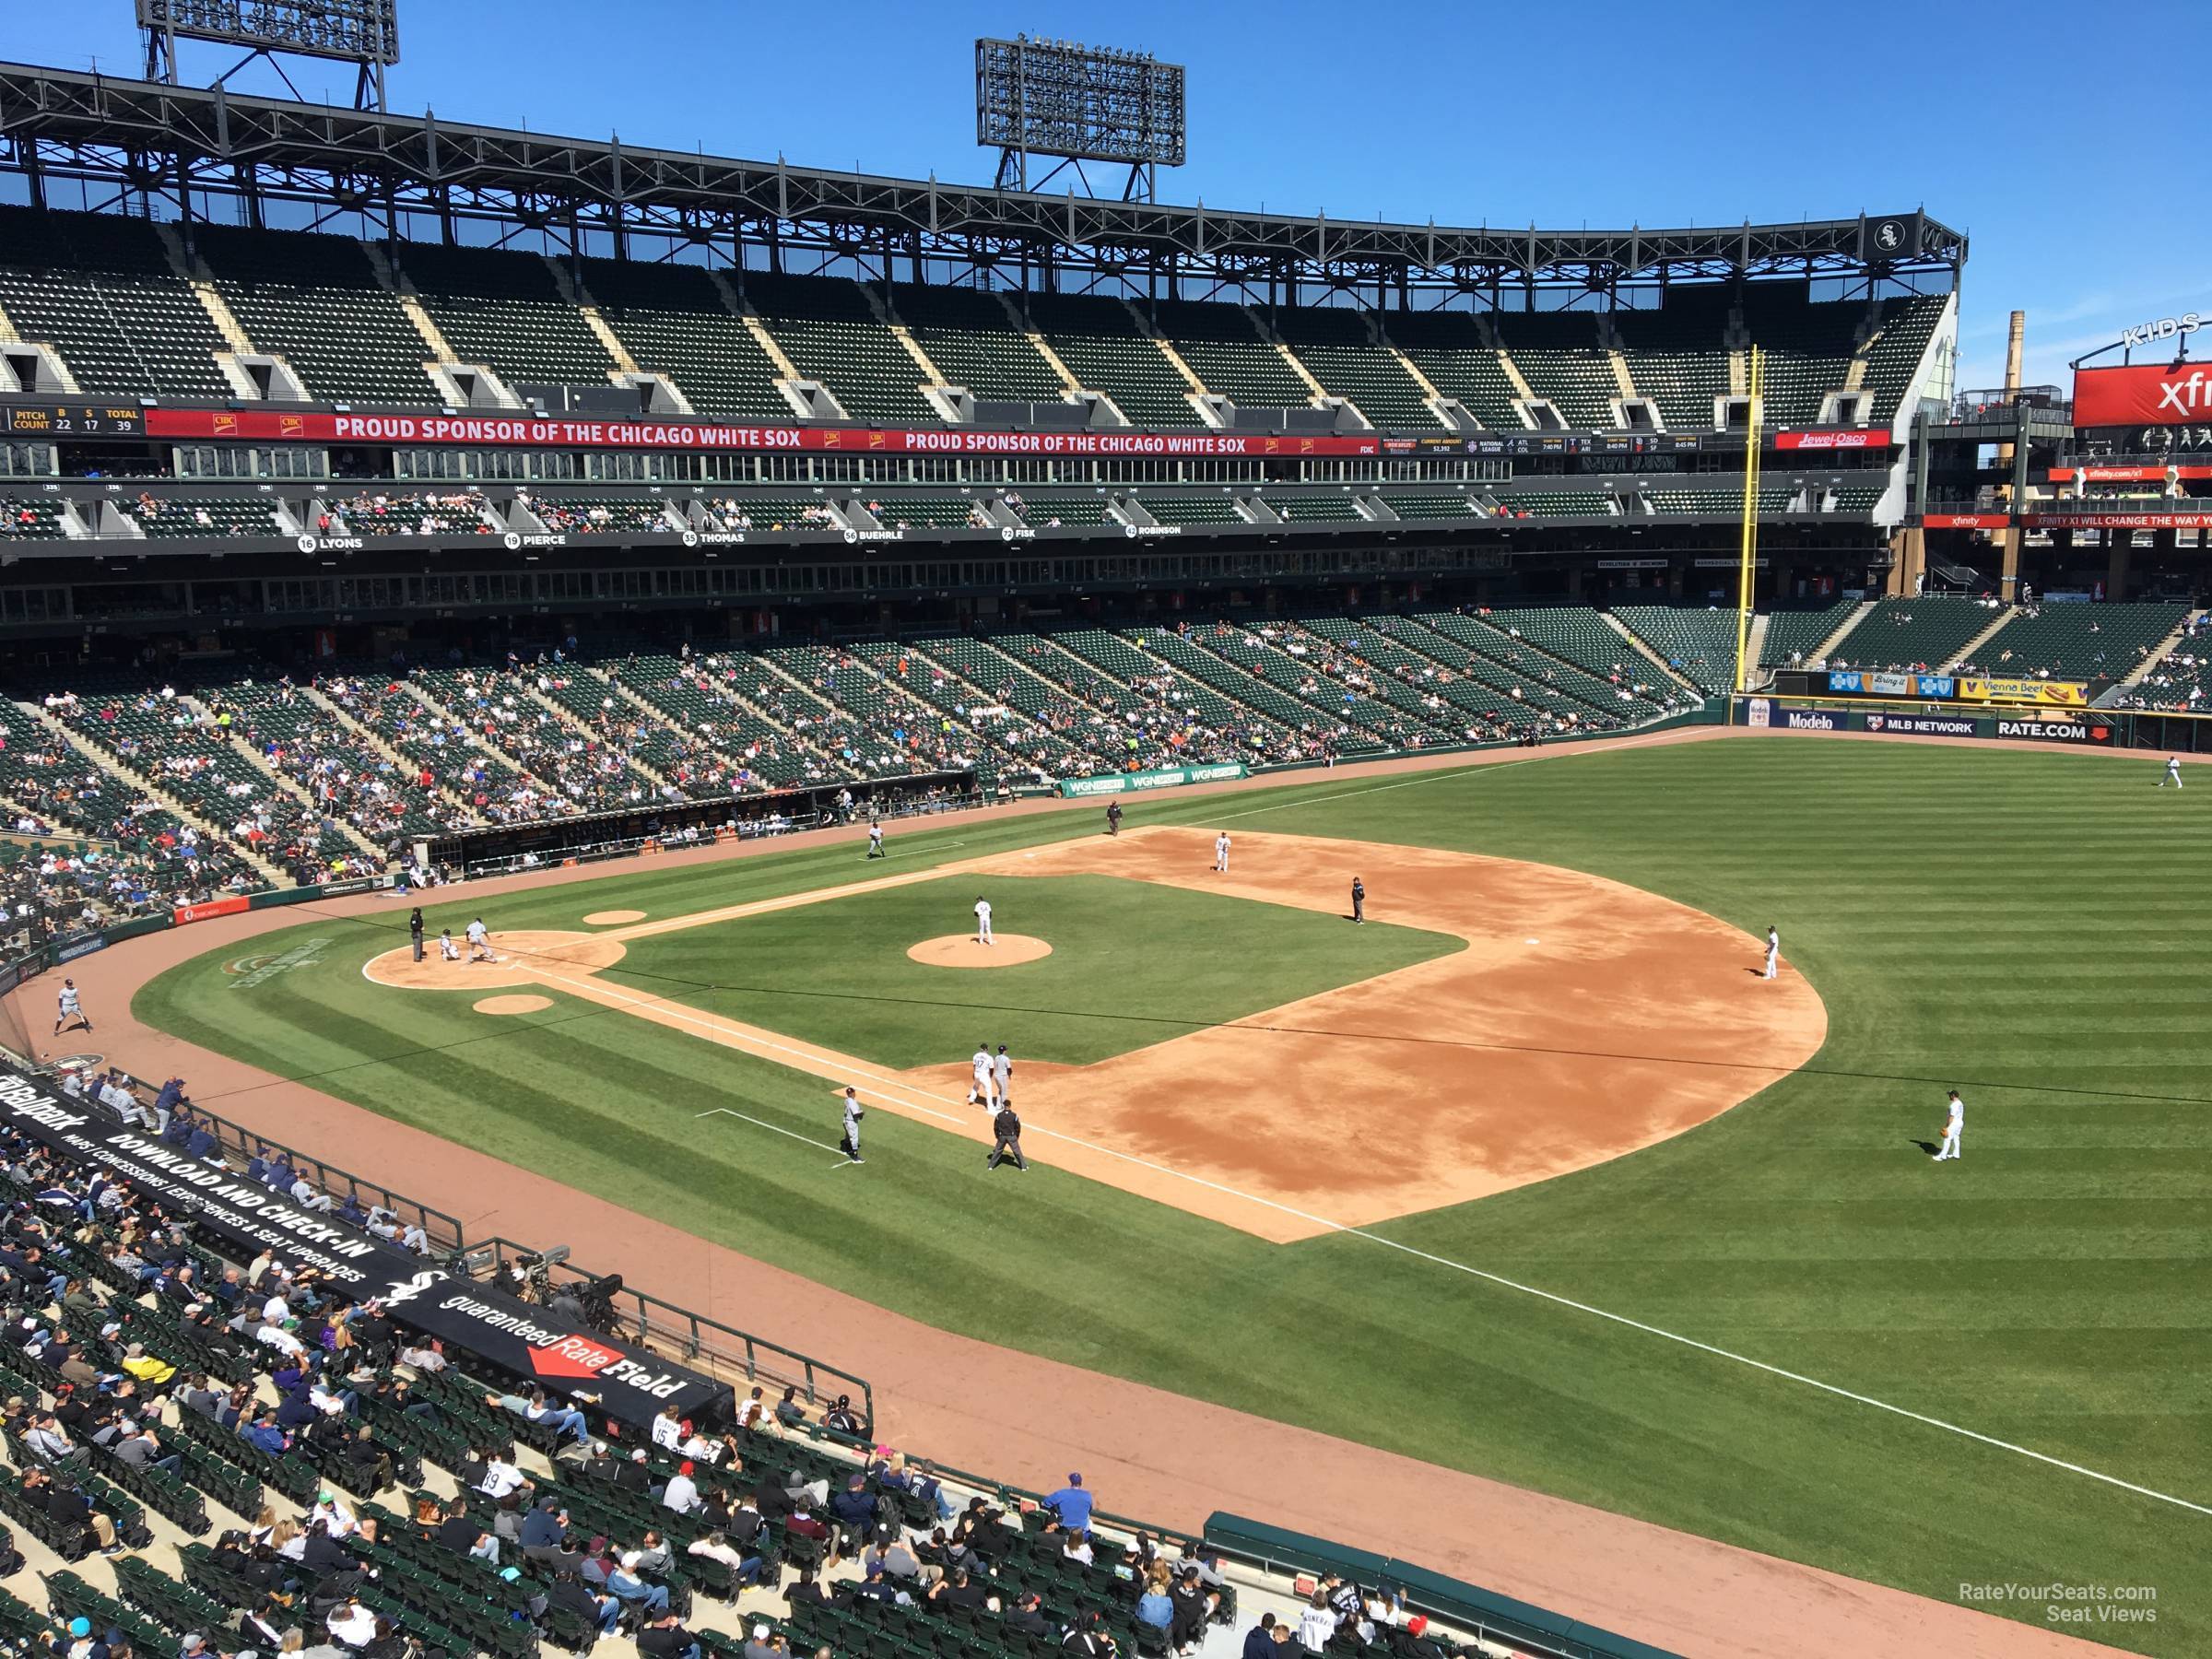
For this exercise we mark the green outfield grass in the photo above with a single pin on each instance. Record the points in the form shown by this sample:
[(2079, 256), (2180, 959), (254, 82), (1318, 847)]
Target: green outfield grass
[(2024, 927), (1133, 963)]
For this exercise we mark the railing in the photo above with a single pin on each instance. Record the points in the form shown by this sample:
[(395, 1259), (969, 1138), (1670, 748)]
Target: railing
[(692, 1337)]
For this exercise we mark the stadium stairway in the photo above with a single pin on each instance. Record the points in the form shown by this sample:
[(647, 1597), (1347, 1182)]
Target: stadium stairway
[(361, 734), (133, 782), (1649, 653), (1828, 646), (281, 785), (568, 719), (2163, 649), (800, 744), (1967, 654)]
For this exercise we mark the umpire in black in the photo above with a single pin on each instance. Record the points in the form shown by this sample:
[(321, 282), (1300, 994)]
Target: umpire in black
[(415, 931), (1006, 1127)]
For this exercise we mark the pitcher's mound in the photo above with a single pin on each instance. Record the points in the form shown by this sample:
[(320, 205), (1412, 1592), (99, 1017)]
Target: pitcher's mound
[(522, 958), (612, 918), (961, 950), (513, 1005)]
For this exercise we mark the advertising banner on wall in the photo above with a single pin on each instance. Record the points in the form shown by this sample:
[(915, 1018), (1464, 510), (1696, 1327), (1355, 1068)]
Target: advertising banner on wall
[(1858, 682), (514, 1335), (509, 430), (1165, 777), (2171, 394), (2059, 694)]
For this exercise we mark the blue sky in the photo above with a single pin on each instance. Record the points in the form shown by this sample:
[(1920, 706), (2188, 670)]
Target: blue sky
[(1595, 114)]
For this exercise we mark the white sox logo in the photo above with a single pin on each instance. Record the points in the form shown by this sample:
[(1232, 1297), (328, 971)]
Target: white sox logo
[(1889, 236), (400, 1294)]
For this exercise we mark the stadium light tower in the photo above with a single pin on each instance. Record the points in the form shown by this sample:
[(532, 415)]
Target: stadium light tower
[(1077, 103), (362, 32)]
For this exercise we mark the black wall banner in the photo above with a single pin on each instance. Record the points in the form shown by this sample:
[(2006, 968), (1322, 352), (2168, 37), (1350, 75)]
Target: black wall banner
[(513, 1336)]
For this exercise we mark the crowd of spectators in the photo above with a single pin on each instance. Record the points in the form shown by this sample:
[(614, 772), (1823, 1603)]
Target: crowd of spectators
[(734, 515), (383, 513), (595, 518)]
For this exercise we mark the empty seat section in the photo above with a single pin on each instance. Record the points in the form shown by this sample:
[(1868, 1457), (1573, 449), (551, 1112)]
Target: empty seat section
[(98, 288), (2095, 642), (674, 321), (1928, 631), (773, 512), (1558, 503), (898, 509), (504, 310), (1448, 346), (1339, 349), (1309, 506), (1678, 355), (1895, 355), (314, 301), (1048, 509), (973, 340), (1717, 503), (1099, 341), (211, 515), (1796, 634), (1411, 505), (1700, 645), (1559, 355), (1223, 346), (1808, 348), (1217, 507), (829, 330)]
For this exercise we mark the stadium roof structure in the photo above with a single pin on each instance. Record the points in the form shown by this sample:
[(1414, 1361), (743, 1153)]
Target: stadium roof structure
[(189, 144)]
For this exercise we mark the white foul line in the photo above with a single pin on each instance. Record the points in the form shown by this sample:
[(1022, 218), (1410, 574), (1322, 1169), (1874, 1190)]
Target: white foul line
[(725, 1111), (906, 1092)]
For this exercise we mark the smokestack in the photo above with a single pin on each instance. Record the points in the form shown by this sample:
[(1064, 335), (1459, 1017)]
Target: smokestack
[(2013, 344)]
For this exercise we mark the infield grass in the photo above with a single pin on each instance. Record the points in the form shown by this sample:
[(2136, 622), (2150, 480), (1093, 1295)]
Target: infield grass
[(1133, 963), (2023, 926)]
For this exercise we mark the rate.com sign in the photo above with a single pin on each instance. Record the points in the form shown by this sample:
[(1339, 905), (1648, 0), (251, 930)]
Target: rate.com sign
[(2149, 394)]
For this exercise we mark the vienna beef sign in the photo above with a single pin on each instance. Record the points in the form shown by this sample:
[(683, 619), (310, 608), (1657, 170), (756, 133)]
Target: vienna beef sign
[(513, 1336), (2143, 394)]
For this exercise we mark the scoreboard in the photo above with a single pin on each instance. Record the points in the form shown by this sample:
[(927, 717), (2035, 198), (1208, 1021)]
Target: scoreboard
[(73, 421)]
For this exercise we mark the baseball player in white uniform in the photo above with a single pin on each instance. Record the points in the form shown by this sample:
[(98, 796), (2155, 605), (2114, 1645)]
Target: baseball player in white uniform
[(1952, 1126), (479, 942), (1002, 1071), (979, 1066), (446, 948), (982, 921), (1221, 853), (854, 1112), (71, 1007), (876, 841), (1773, 952), (2173, 772)]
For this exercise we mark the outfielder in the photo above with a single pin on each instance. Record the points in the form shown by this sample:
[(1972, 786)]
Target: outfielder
[(1359, 901), (1005, 1142), (982, 921), (875, 841), (1773, 950), (71, 1007), (479, 942), (854, 1112), (2173, 772), (979, 1066), (1221, 853), (446, 948), (1952, 1125), (1002, 1070)]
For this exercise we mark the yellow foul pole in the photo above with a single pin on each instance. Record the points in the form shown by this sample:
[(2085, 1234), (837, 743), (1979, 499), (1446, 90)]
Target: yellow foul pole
[(1750, 552)]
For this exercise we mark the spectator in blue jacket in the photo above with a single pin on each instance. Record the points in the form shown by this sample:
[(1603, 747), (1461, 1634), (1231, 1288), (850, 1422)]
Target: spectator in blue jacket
[(1072, 1505)]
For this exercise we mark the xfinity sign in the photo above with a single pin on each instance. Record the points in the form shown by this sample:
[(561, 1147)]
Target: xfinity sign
[(2165, 328)]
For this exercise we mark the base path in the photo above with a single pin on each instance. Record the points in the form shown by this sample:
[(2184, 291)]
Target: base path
[(1164, 1456)]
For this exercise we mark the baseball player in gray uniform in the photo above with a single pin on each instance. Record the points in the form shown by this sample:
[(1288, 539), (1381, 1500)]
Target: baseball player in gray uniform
[(854, 1112), (1001, 1069)]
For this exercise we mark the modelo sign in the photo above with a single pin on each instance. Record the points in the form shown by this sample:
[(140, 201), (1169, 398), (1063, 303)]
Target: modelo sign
[(2143, 394)]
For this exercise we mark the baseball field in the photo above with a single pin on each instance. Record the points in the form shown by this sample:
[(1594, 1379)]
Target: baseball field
[(1533, 1175)]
